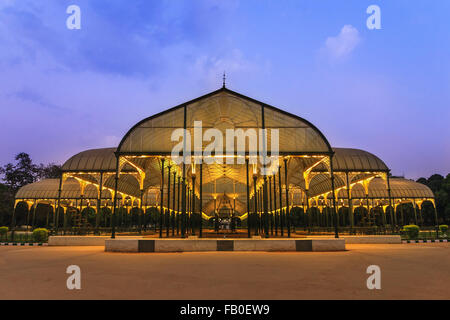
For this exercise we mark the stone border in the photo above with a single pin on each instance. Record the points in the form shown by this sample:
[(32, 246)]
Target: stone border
[(20, 244), (424, 241), (83, 240), (100, 240), (372, 239), (198, 245)]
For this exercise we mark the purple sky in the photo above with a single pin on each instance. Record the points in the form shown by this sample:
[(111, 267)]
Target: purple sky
[(386, 91)]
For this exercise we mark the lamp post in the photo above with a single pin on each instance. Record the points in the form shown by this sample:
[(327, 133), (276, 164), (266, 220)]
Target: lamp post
[(161, 210), (193, 214), (168, 202), (287, 199), (265, 208), (248, 202), (255, 197), (200, 231)]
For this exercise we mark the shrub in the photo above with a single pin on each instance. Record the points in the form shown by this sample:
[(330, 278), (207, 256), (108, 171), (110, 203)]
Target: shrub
[(443, 228), (412, 231), (3, 232), (40, 235)]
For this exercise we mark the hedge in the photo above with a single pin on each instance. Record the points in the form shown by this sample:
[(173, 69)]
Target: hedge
[(40, 235), (412, 231), (3, 232)]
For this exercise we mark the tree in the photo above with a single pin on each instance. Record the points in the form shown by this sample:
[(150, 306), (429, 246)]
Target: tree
[(18, 174), (50, 171), (6, 203), (441, 189), (22, 173)]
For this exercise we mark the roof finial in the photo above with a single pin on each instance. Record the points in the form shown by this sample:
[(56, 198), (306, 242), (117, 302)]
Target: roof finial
[(224, 79)]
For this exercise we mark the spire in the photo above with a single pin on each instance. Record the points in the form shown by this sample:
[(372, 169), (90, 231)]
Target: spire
[(224, 79)]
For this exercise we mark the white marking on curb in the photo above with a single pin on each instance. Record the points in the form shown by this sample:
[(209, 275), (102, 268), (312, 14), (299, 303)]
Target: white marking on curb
[(428, 241), (403, 241), (21, 244), (445, 240)]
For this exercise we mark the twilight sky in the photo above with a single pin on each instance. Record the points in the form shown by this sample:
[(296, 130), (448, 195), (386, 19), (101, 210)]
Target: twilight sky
[(386, 91)]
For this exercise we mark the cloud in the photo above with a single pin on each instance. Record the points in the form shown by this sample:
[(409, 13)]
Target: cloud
[(212, 67), (29, 95), (115, 38), (343, 44)]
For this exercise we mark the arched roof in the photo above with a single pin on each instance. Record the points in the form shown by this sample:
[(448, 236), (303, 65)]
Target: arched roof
[(348, 159), (92, 160), (359, 163), (412, 188), (223, 109), (48, 189), (400, 188)]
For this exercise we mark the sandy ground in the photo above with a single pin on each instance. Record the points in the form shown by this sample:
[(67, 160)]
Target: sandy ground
[(408, 271)]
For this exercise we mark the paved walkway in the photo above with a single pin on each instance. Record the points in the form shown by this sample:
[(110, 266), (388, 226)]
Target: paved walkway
[(409, 271)]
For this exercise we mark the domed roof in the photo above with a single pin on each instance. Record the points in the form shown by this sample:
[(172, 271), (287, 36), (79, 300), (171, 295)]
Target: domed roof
[(92, 160), (347, 159), (356, 160), (400, 188), (48, 189)]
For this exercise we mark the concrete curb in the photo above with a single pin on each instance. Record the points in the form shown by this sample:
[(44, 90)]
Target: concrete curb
[(83, 240), (424, 241), (373, 239), (197, 245), (100, 240), (23, 244)]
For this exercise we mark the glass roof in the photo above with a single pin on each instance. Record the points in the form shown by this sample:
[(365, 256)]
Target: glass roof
[(142, 148), (223, 109), (92, 160)]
